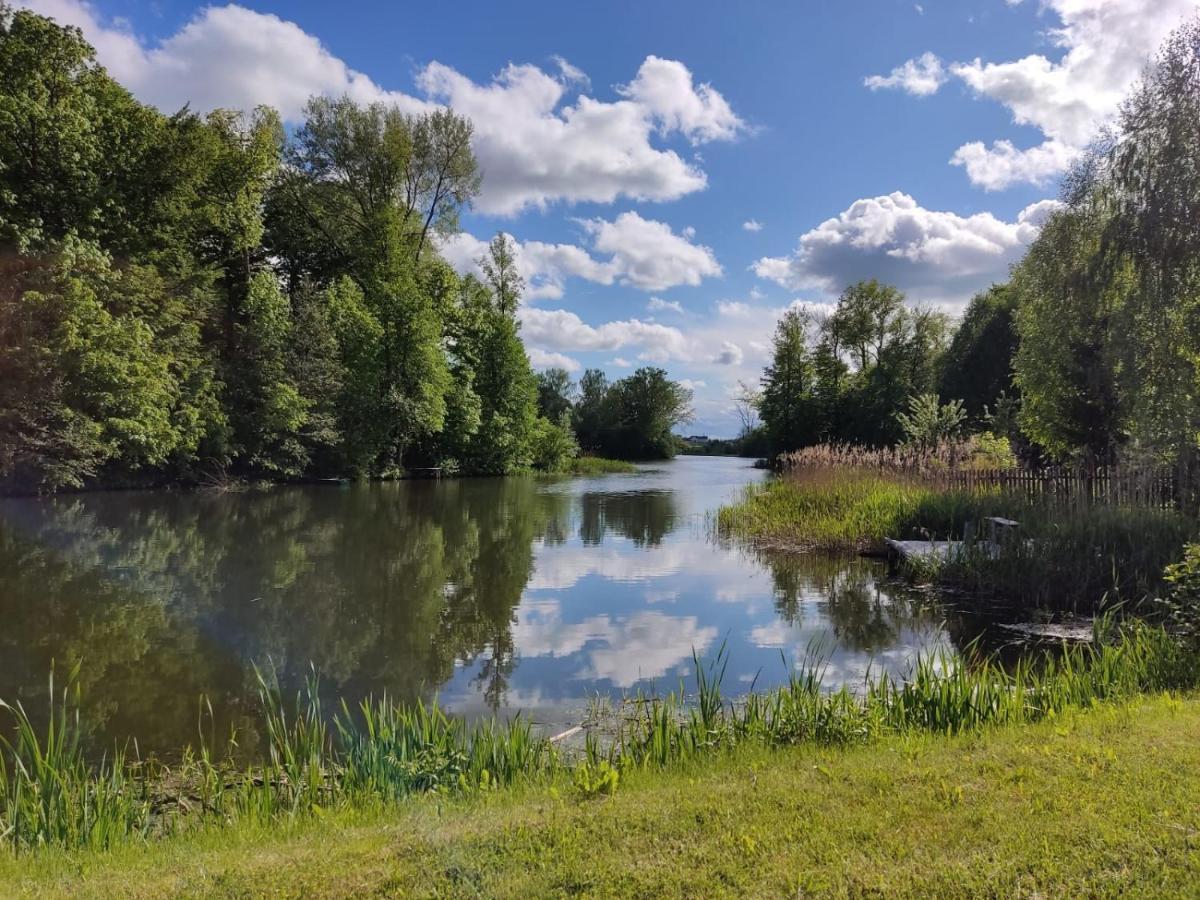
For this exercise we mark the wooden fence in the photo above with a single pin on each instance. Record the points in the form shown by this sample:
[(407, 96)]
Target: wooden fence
[(1162, 488)]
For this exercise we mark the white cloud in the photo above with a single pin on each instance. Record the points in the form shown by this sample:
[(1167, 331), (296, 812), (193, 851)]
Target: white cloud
[(641, 253), (571, 74), (730, 354), (658, 304), (226, 56), (935, 255), (535, 144), (752, 225), (1105, 45), (692, 384), (732, 308), (561, 330), (648, 255), (544, 359), (1002, 164), (920, 77), (665, 89), (544, 267)]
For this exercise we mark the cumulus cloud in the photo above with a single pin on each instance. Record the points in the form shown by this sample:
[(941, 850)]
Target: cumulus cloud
[(1002, 164), (544, 359), (561, 330), (538, 142), (648, 255), (226, 56), (733, 308), (935, 255), (1105, 44), (920, 77), (544, 267), (730, 354), (641, 253), (752, 225), (664, 88), (658, 304)]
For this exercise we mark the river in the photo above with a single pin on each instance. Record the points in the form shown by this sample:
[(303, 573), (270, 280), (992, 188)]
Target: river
[(495, 595)]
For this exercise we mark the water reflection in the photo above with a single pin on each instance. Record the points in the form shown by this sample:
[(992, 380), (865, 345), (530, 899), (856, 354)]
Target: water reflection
[(497, 594)]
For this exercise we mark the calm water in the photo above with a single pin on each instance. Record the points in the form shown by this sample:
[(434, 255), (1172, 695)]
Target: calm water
[(494, 594)]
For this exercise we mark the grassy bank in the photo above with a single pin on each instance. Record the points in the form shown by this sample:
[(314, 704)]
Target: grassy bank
[(1067, 557), (1099, 803), (381, 754), (598, 465)]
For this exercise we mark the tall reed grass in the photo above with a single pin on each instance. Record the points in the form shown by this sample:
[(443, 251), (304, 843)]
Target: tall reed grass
[(1067, 555), (51, 796)]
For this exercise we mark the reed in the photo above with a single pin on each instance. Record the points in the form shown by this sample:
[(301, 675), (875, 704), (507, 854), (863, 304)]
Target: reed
[(1075, 555), (51, 796), (598, 465)]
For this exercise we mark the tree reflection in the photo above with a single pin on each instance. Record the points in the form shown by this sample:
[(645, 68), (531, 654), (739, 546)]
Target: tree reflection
[(644, 517), (165, 597), (866, 611)]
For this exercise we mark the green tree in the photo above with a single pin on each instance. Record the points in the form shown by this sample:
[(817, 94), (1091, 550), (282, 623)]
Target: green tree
[(977, 365), (593, 414), (1069, 319), (646, 407), (267, 410), (787, 404), (928, 422), (556, 394), (553, 444), (85, 382), (504, 381)]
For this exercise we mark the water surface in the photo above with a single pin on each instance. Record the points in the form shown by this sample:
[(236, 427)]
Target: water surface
[(495, 595)]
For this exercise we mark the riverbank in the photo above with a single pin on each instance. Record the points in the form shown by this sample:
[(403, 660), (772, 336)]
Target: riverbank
[(1092, 803), (598, 465), (1065, 557)]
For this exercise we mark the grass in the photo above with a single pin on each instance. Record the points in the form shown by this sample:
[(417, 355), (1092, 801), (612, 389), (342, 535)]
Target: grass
[(1068, 557), (598, 465), (832, 509), (51, 797), (1098, 803)]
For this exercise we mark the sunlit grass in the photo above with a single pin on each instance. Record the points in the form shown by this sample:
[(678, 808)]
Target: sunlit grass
[(1075, 556), (598, 465), (50, 796)]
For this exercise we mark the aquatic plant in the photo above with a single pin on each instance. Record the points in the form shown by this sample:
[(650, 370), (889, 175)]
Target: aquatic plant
[(50, 795)]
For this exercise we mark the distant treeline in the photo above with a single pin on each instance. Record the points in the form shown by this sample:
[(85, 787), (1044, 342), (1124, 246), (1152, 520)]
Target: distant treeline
[(188, 297), (1089, 354)]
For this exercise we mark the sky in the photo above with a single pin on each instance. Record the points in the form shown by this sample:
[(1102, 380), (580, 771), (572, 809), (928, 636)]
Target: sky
[(678, 173)]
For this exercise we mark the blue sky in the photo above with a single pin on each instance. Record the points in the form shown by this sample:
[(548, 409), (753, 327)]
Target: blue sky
[(678, 173)]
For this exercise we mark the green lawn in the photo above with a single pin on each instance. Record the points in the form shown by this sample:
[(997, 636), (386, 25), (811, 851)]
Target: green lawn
[(1099, 803)]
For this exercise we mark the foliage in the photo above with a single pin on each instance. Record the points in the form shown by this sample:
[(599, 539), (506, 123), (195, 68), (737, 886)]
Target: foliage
[(598, 465), (556, 394), (977, 364), (633, 418), (1181, 601), (1109, 292), (843, 378), (786, 403), (554, 448), (928, 422), (1076, 556), (279, 309)]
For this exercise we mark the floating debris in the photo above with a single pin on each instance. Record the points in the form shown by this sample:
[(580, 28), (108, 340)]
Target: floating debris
[(1080, 630)]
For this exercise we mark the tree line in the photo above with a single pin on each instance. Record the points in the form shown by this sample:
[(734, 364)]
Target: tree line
[(185, 297), (1090, 353)]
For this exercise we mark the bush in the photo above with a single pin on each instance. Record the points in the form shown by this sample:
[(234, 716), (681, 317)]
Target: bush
[(553, 446)]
